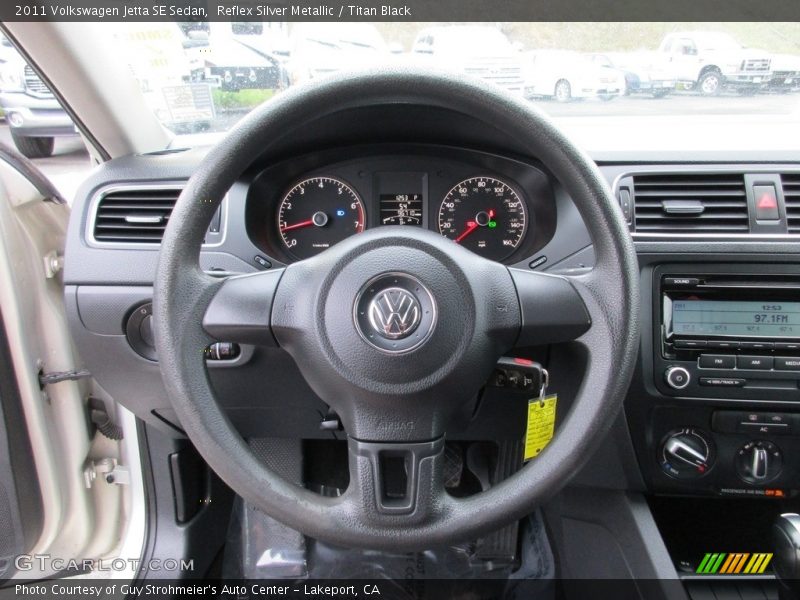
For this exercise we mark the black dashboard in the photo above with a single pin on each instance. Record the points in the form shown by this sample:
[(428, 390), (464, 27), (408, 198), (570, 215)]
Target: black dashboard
[(455, 175)]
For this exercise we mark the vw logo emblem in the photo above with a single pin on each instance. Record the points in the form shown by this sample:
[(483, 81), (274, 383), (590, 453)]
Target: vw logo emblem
[(394, 313)]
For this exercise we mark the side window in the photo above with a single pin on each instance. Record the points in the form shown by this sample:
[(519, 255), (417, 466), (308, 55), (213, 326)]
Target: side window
[(424, 45), (686, 46)]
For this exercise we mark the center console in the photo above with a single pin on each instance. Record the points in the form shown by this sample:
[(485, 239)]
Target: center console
[(720, 412)]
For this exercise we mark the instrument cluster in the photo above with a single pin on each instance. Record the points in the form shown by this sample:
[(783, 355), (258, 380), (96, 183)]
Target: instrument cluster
[(498, 208)]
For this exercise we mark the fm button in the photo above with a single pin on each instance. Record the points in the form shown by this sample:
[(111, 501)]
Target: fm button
[(677, 377)]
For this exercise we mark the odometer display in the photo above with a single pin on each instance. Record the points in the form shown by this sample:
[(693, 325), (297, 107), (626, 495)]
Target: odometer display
[(318, 213), (485, 215)]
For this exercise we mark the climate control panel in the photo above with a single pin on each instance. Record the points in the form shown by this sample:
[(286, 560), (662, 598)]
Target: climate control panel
[(687, 454), (723, 452)]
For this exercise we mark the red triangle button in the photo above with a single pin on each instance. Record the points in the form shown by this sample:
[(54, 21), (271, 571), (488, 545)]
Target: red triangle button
[(767, 202)]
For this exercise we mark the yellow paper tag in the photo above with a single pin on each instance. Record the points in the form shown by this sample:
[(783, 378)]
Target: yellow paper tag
[(541, 425)]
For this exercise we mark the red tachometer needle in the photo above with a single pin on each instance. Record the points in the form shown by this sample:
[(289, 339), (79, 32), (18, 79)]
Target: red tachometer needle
[(471, 226), (297, 225)]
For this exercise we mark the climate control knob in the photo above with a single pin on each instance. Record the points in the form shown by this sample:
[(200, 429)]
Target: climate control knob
[(677, 377), (687, 454), (759, 462)]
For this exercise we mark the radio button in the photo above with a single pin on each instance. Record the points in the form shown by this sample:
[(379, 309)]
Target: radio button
[(758, 363), (756, 345), (681, 281), (717, 361), (677, 377), (790, 346), (690, 344), (720, 345), (787, 363), (722, 381)]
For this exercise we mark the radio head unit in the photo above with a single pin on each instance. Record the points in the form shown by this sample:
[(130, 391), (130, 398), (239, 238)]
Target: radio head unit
[(728, 335), (729, 312)]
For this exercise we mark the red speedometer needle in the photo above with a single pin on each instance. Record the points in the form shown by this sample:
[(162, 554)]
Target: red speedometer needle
[(297, 225), (471, 226)]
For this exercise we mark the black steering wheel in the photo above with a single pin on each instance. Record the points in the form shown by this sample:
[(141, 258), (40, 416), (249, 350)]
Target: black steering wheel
[(394, 328)]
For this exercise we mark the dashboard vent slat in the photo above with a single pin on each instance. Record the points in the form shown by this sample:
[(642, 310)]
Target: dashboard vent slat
[(690, 203), (134, 216), (791, 196)]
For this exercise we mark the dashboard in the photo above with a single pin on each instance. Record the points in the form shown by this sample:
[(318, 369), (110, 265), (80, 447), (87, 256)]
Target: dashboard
[(500, 208), (402, 166)]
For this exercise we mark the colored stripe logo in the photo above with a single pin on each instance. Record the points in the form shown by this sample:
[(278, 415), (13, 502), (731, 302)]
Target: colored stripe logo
[(735, 563)]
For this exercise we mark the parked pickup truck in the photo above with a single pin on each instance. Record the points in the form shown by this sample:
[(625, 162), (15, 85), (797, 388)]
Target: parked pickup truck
[(785, 73), (34, 116), (709, 62), (477, 50)]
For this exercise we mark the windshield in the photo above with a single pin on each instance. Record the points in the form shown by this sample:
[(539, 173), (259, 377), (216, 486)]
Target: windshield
[(470, 41), (203, 77), (718, 41)]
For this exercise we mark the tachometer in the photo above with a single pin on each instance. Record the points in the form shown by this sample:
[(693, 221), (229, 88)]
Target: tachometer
[(318, 213), (485, 215)]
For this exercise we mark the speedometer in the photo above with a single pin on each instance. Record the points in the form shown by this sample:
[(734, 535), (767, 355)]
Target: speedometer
[(318, 213), (485, 215)]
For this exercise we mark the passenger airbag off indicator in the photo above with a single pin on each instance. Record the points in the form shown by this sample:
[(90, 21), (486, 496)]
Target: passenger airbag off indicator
[(766, 203)]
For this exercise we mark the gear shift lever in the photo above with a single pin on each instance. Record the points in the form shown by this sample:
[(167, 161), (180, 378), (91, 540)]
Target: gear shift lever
[(786, 540)]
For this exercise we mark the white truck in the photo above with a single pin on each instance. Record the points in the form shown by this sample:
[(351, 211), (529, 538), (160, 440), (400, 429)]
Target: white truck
[(709, 61)]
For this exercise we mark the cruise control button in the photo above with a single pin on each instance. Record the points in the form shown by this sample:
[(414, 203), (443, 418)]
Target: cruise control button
[(717, 361), (722, 381), (783, 363), (760, 363)]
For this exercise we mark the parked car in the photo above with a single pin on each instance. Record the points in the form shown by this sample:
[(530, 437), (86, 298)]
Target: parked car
[(319, 49), (34, 116), (785, 73), (709, 61), (642, 71), (482, 51), (566, 75)]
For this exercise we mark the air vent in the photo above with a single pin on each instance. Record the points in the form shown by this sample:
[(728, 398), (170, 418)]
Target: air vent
[(690, 203), (134, 216), (791, 196)]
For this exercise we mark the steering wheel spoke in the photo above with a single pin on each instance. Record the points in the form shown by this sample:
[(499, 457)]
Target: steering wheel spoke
[(240, 310), (552, 308), (390, 479)]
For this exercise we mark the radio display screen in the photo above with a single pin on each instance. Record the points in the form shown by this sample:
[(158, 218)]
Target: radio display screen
[(736, 318)]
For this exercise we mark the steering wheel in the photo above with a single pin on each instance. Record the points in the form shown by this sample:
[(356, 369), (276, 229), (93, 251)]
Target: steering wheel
[(395, 328)]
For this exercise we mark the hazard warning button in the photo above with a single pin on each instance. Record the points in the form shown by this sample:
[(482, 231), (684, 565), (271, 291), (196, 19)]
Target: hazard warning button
[(766, 203)]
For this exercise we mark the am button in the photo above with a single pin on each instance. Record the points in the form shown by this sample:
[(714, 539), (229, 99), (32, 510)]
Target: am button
[(760, 363)]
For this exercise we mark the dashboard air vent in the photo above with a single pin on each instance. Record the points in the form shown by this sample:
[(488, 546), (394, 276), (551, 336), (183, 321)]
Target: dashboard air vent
[(791, 196), (690, 203), (137, 216)]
